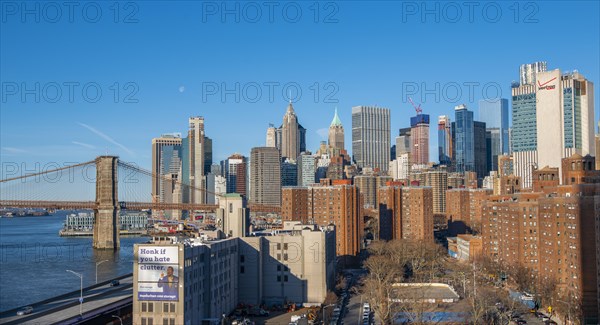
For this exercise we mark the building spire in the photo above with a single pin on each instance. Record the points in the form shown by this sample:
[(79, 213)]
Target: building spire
[(336, 119)]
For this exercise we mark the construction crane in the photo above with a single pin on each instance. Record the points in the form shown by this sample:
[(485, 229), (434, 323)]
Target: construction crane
[(417, 108)]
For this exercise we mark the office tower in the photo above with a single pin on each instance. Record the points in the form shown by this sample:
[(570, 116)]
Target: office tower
[(419, 135), (208, 154), (307, 168), (445, 140), (336, 133), (166, 159), (291, 136), (403, 142), (371, 137), (271, 136), (328, 204), (480, 149), (464, 139), (598, 148), (265, 176), (368, 185), (494, 113), (196, 138), (528, 72), (552, 119), (492, 144), (236, 174), (335, 169), (559, 239), (289, 172)]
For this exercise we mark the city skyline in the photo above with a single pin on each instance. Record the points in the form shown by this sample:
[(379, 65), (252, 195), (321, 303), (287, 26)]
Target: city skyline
[(82, 129)]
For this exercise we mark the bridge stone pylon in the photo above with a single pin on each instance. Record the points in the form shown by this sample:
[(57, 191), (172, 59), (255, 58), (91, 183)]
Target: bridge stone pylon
[(106, 221)]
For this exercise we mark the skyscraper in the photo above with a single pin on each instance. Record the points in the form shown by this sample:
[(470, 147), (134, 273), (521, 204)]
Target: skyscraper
[(236, 175), (265, 176), (527, 72), (419, 135), (336, 133), (166, 159), (464, 139), (445, 140), (552, 119), (307, 167), (271, 136), (480, 149), (495, 115), (289, 172), (291, 136), (403, 142), (197, 147), (371, 137)]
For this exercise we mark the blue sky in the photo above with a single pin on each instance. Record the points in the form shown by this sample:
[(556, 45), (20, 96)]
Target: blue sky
[(174, 60)]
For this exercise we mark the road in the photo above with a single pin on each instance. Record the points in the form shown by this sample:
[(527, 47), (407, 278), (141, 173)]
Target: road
[(67, 306)]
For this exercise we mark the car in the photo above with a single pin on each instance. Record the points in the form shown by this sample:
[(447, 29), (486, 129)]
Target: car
[(25, 310), (550, 322), (545, 318), (521, 322), (114, 283)]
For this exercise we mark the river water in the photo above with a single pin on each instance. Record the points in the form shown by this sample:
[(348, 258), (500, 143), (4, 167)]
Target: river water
[(34, 260)]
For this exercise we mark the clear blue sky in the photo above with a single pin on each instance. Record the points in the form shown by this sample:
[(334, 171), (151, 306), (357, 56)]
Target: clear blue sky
[(175, 53)]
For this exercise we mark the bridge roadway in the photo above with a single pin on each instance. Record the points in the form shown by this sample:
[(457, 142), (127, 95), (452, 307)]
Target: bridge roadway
[(64, 309)]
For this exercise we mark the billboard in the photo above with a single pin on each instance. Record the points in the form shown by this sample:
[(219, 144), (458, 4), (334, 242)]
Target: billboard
[(158, 273)]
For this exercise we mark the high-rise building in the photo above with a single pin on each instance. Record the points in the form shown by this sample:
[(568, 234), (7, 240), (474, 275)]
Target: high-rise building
[(371, 137), (480, 149), (400, 167), (265, 176), (291, 136), (332, 204), (406, 213), (271, 136), (493, 143), (403, 142), (559, 102), (528, 72), (419, 135), (494, 113), (166, 159), (289, 172), (445, 140), (307, 168), (368, 185), (336, 133), (437, 179), (236, 175), (464, 139), (598, 148), (197, 154), (558, 239)]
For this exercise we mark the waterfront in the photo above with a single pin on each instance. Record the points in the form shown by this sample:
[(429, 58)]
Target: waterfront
[(34, 260)]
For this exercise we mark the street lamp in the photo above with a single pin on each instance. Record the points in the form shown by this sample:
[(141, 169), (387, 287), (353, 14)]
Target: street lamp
[(120, 320), (98, 263), (80, 291), (323, 311)]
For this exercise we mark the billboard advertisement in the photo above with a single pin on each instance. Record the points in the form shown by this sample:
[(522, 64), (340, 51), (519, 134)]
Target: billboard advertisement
[(158, 273)]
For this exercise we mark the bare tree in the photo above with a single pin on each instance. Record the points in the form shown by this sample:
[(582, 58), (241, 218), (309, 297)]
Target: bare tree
[(377, 286)]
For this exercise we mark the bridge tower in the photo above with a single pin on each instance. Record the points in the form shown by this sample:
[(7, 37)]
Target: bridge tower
[(106, 230)]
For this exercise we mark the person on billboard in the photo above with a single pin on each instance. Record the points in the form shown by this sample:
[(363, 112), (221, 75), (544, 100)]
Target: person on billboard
[(168, 283)]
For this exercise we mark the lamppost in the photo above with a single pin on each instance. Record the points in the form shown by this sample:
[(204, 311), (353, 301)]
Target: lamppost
[(120, 320), (98, 263), (80, 291), (323, 311)]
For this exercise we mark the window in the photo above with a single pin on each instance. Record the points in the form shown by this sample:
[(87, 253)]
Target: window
[(278, 246), (144, 307), (150, 310), (278, 257), (285, 246), (242, 258), (165, 309), (150, 320), (279, 278), (242, 269), (144, 322), (285, 278), (165, 321), (172, 321), (278, 267), (172, 307)]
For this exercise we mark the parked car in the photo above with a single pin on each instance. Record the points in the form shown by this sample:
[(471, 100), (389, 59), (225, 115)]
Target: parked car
[(114, 283), (25, 311)]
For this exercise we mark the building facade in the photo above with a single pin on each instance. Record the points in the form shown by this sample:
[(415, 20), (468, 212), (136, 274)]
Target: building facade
[(371, 137), (419, 139), (265, 176)]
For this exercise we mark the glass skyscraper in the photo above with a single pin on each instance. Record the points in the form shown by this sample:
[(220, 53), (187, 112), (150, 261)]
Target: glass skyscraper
[(464, 142), (495, 115)]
